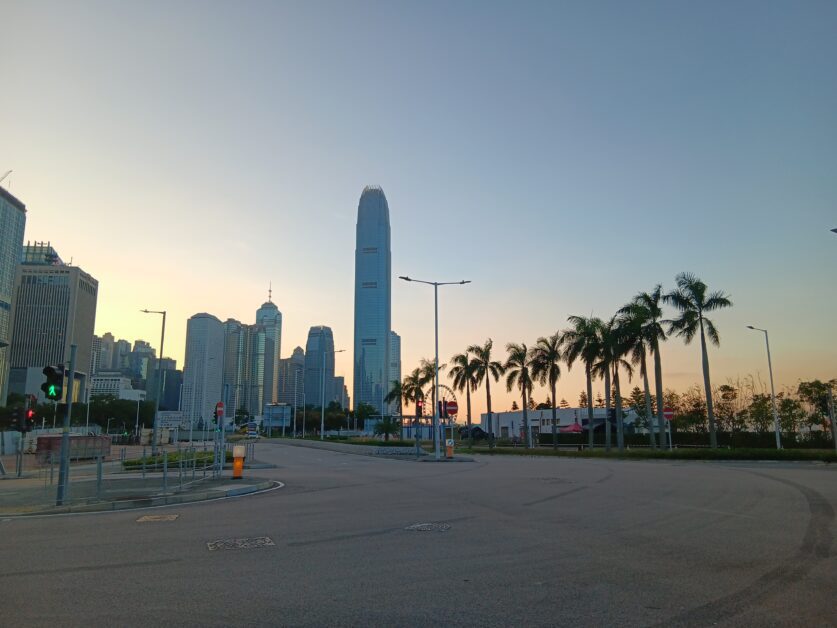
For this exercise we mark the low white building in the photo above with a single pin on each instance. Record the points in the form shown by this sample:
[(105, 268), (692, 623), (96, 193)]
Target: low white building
[(115, 385), (511, 423)]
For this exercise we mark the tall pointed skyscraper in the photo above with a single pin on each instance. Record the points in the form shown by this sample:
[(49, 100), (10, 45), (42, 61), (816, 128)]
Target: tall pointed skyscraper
[(373, 295)]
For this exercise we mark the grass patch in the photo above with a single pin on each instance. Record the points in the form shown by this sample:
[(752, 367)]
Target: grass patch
[(154, 462), (821, 455)]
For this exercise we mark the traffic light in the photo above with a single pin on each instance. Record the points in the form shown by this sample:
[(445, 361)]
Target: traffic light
[(17, 419), (419, 407), (29, 421), (53, 387)]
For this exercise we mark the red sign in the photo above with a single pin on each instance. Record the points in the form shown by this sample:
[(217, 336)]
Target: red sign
[(668, 413), (219, 408), (452, 408)]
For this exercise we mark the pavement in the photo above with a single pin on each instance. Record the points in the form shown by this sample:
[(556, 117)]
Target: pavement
[(367, 541)]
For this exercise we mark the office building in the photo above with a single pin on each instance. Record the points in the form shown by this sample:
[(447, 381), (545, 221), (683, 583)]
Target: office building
[(54, 307), (12, 224), (291, 382), (106, 346), (270, 318), (203, 369), (319, 366), (394, 368), (372, 299)]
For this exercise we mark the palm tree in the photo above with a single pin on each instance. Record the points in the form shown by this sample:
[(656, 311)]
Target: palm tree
[(648, 307), (518, 369), (546, 369), (582, 341), (613, 347), (464, 377), (632, 325), (395, 394), (427, 368), (411, 392), (692, 301), (486, 368), (387, 425)]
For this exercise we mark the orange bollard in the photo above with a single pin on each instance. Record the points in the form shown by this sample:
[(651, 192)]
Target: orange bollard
[(449, 448), (238, 461)]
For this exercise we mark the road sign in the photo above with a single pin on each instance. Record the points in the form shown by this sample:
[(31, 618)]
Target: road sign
[(219, 410), (668, 413), (452, 408)]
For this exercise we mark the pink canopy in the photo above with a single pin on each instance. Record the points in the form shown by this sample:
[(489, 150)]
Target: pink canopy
[(575, 428)]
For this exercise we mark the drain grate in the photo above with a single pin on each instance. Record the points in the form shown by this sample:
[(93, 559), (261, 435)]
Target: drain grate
[(147, 518), (251, 543), (428, 527)]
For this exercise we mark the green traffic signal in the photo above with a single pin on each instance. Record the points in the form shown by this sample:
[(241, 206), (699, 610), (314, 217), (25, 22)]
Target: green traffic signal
[(54, 386)]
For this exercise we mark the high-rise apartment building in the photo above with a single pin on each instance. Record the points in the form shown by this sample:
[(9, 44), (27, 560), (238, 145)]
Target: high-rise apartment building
[(106, 352), (248, 365), (12, 224), (319, 366), (235, 355), (292, 379), (203, 369), (121, 356), (54, 307), (372, 299), (269, 317), (394, 367)]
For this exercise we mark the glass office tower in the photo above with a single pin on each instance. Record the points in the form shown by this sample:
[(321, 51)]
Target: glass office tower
[(373, 292)]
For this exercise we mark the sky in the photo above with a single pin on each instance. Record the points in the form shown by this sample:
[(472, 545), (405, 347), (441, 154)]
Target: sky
[(562, 156)]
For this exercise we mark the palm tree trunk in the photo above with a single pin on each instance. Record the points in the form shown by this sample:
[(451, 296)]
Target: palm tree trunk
[(620, 430), (468, 403), (658, 380), (589, 407), (490, 416), (713, 437), (526, 419), (649, 419), (554, 420), (607, 410)]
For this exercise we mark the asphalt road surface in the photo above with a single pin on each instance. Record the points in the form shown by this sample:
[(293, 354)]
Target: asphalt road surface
[(531, 541)]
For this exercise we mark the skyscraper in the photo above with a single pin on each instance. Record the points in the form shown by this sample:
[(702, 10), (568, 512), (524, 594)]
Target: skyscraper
[(235, 355), (54, 307), (373, 274), (269, 316), (319, 350), (12, 223), (292, 379), (203, 368), (394, 367)]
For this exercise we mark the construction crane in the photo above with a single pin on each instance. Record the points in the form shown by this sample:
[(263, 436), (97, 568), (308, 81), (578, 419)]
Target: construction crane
[(8, 172)]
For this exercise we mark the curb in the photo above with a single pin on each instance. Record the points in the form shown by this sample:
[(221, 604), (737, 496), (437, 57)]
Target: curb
[(146, 502)]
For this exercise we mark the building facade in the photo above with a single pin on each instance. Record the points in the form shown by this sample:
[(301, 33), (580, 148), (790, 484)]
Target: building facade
[(12, 224), (394, 368), (291, 381), (373, 296), (54, 307), (270, 318), (319, 366), (203, 369)]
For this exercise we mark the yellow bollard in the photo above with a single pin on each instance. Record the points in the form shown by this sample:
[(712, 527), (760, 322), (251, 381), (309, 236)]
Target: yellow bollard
[(239, 452), (449, 448)]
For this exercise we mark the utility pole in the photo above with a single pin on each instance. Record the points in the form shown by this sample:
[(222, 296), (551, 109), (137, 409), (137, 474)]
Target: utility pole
[(64, 467), (831, 415)]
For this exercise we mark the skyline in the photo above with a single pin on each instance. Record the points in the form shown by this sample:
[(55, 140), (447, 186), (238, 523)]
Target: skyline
[(717, 154)]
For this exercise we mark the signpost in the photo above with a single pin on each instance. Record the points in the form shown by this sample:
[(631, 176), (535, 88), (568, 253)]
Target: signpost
[(222, 454), (668, 414)]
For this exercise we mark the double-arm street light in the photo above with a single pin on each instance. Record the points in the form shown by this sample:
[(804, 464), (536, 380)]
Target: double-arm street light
[(436, 284), (772, 390), (159, 381), (322, 392)]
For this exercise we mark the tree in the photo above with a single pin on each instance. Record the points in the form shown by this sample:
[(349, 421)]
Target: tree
[(514, 406), (387, 426), (615, 343), (546, 359), (564, 405), (582, 400), (411, 392), (582, 342), (395, 394), (464, 373), (647, 308), (486, 369), (791, 414), (760, 413), (518, 370), (362, 412), (600, 402), (692, 300), (633, 329)]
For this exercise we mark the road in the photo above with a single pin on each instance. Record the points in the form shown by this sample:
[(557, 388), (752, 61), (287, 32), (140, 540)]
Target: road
[(532, 541)]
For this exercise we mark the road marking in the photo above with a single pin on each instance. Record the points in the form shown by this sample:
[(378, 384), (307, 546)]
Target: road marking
[(257, 542), (428, 527), (147, 518)]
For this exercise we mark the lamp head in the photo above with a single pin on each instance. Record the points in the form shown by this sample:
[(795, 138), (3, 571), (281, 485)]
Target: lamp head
[(750, 327), (404, 278)]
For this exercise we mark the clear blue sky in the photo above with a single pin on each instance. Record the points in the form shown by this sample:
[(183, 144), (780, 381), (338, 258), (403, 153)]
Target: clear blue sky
[(562, 155)]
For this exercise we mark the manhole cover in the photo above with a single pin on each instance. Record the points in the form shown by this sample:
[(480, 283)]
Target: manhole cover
[(147, 518), (253, 543), (428, 527)]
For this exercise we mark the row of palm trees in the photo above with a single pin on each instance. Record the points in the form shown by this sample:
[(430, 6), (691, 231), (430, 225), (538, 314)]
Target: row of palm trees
[(606, 348)]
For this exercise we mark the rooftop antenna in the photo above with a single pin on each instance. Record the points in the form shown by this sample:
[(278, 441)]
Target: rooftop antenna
[(270, 292)]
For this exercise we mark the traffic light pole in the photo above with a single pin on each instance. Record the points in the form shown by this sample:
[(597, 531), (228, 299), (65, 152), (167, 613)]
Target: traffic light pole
[(64, 467)]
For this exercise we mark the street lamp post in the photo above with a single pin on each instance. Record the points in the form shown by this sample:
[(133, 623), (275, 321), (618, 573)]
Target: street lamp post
[(772, 389), (159, 381), (436, 284), (322, 393)]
